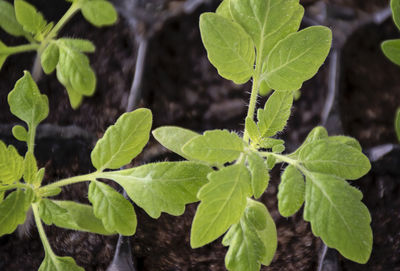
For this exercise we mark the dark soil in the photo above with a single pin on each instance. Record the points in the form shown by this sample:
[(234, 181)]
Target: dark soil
[(181, 88)]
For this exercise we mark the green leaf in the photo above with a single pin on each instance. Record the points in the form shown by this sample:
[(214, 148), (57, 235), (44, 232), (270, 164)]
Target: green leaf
[(27, 103), (228, 46), (338, 216), (13, 210), (38, 181), (27, 15), (8, 21), (297, 58), (263, 20), (252, 130), (291, 191), (223, 10), (162, 187), (112, 208), (30, 168), (279, 148), (80, 217), (216, 146), (11, 164), (20, 133), (2, 195), (395, 6), (123, 141), (317, 133), (352, 142), (223, 201), (269, 143), (276, 112), (259, 174), (397, 124), (99, 12), (3, 53), (174, 138), (49, 58), (52, 262), (75, 98), (74, 71), (50, 212), (334, 158), (391, 49), (81, 45), (249, 245)]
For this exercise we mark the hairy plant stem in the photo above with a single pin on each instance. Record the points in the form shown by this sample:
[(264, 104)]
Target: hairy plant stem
[(42, 233), (16, 185), (31, 139), (72, 180), (21, 48)]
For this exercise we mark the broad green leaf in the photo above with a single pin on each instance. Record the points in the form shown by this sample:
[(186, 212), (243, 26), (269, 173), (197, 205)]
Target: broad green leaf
[(174, 138), (259, 174), (269, 143), (112, 208), (99, 12), (334, 158), (252, 130), (81, 45), (162, 187), (397, 124), (11, 164), (338, 216), (30, 168), (3, 53), (123, 141), (49, 58), (228, 46), (223, 10), (316, 133), (49, 212), (13, 210), (216, 146), (8, 21), (74, 71), (249, 245), (267, 21), (52, 262), (350, 141), (80, 217), (27, 103), (223, 201), (297, 58), (276, 112), (20, 133), (27, 15), (391, 49), (395, 5), (291, 191)]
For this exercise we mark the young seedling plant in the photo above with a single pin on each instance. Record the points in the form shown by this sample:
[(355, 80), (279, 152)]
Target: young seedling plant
[(65, 55), (259, 40)]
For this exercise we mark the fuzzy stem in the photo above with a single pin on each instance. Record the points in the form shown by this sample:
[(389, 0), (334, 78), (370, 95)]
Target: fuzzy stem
[(72, 180), (41, 231)]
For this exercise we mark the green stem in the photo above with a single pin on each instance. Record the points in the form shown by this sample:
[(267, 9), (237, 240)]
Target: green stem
[(31, 139), (21, 48), (72, 180), (13, 186), (41, 231)]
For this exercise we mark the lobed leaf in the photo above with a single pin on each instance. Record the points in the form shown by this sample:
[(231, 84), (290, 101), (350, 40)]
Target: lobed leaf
[(291, 191), (8, 21), (316, 133), (297, 58), (223, 201), (174, 138), (216, 146), (267, 21), (49, 58), (27, 103), (259, 174), (99, 12), (391, 49), (162, 187), (338, 216), (50, 212), (276, 112), (112, 208), (27, 15), (52, 262), (11, 164), (123, 141), (334, 158), (13, 210), (228, 46)]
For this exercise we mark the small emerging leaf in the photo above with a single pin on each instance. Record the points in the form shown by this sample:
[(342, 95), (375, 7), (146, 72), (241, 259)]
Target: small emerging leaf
[(228, 46), (30, 168), (11, 164), (20, 133), (252, 130), (99, 12), (259, 174), (291, 191), (223, 201), (123, 141)]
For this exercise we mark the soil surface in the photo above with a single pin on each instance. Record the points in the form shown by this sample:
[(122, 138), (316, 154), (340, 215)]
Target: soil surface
[(182, 88)]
